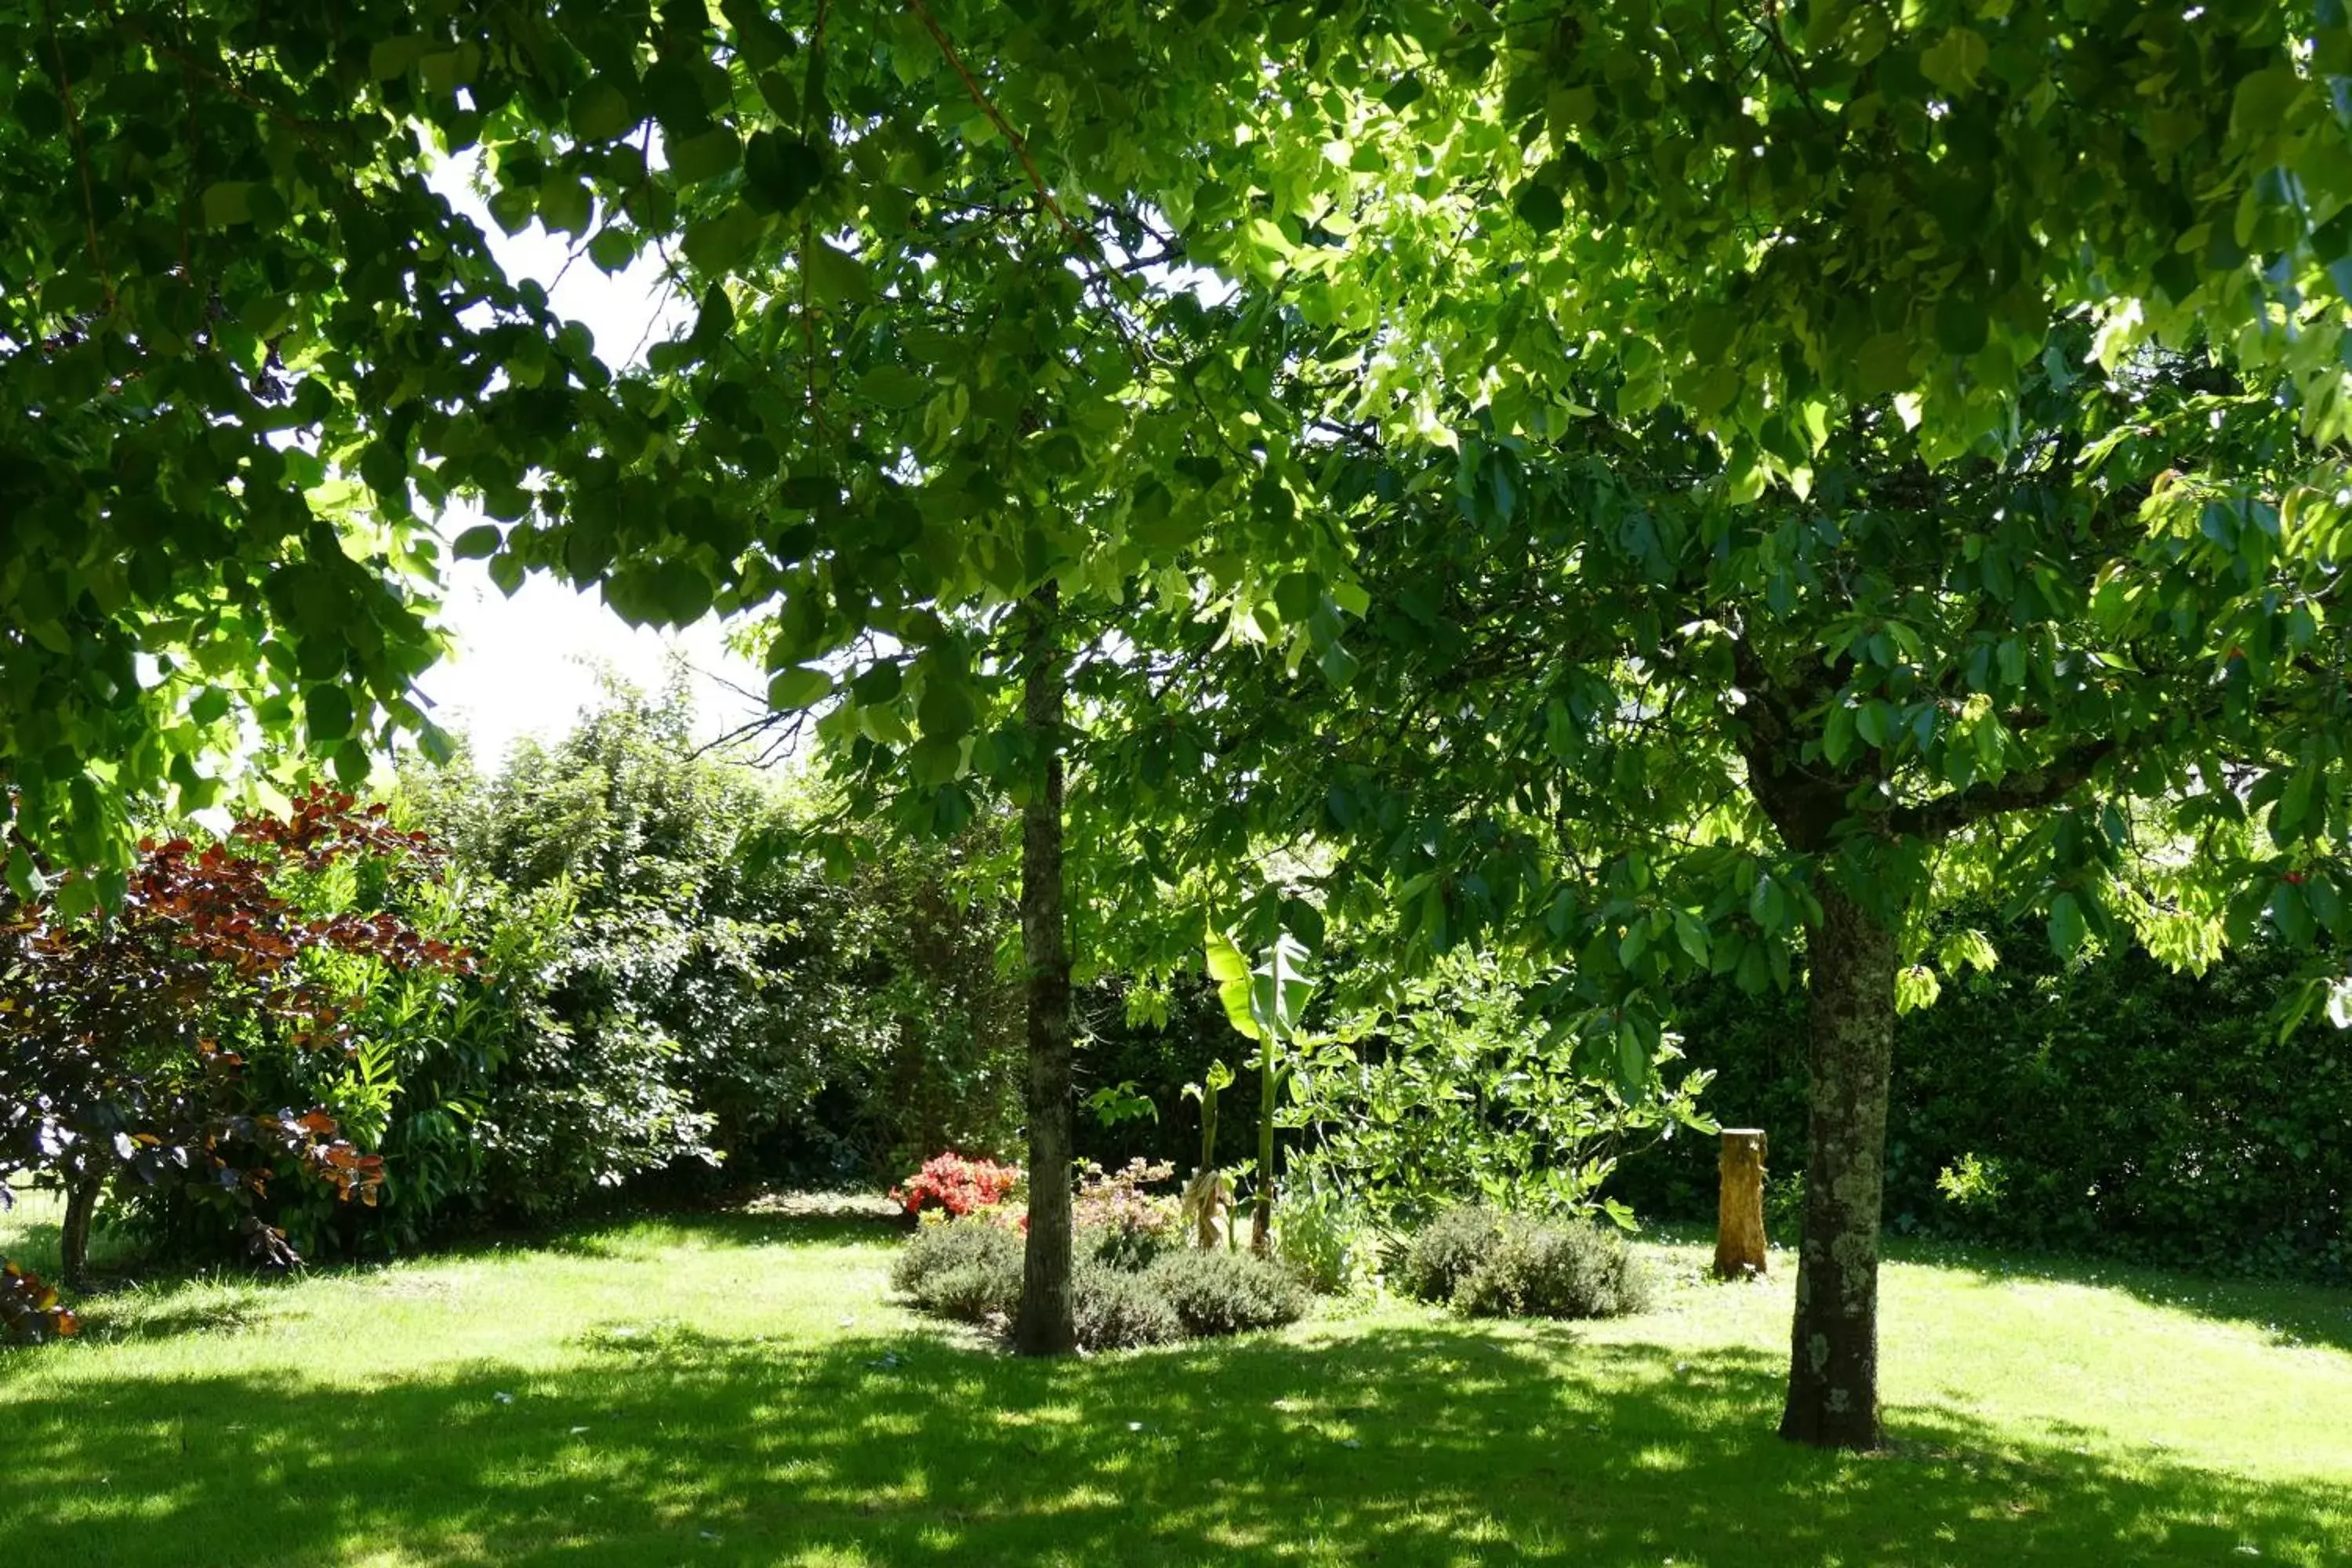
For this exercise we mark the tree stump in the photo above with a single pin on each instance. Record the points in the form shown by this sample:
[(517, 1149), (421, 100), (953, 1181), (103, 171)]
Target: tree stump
[(1739, 1219)]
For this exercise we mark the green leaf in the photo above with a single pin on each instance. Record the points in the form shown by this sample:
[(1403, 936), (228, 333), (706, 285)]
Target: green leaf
[(681, 592), (779, 172), (327, 712), (1955, 61), (946, 708), (718, 245), (2067, 927), (227, 204), (835, 277), (565, 206), (798, 687), (1961, 325), (601, 112), (478, 542), (1229, 968), (893, 387), (1539, 206), (714, 152)]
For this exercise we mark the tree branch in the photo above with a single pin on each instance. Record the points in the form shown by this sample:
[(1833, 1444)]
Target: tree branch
[(2045, 786)]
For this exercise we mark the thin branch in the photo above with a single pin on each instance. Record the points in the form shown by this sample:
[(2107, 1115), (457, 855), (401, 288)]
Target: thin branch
[(81, 157)]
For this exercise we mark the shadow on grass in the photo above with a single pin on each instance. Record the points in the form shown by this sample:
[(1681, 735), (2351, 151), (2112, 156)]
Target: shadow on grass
[(1395, 1446)]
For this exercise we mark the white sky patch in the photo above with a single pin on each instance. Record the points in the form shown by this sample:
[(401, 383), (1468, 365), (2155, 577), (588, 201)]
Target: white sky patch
[(531, 664)]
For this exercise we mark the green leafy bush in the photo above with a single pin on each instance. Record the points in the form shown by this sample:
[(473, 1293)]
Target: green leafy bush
[(1458, 1091), (1325, 1238), (1217, 1291), (960, 1268), (1119, 1309), (1443, 1254), (1576, 1269)]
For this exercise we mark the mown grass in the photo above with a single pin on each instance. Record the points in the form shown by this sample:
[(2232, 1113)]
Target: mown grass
[(739, 1389)]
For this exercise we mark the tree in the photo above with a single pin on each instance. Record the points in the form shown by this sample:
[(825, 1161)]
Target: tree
[(990, 297), (1661, 730), (244, 352), (122, 1037)]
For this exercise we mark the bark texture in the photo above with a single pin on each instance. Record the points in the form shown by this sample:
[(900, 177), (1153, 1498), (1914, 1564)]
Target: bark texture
[(1045, 1325), (73, 1234), (1833, 1361), (1739, 1211)]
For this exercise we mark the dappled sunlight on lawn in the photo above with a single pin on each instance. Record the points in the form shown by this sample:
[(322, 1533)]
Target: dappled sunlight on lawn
[(729, 1416)]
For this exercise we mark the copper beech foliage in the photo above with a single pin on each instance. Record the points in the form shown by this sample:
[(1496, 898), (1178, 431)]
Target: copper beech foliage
[(29, 1308), (117, 1033)]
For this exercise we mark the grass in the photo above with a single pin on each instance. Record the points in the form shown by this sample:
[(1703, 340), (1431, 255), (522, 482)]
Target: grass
[(738, 1388)]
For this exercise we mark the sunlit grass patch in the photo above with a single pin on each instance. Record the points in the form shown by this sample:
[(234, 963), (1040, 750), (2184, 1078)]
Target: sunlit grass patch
[(738, 1388)]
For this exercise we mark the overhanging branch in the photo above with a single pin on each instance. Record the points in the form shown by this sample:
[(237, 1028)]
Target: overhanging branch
[(2021, 792)]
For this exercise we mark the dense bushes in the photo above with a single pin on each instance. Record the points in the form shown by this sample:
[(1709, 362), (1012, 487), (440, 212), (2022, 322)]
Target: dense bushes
[(2117, 1106), (970, 1269), (1485, 1264), (668, 979)]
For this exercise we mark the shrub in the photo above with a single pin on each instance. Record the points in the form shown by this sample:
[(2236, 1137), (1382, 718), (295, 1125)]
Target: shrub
[(965, 1268), (1579, 1270), (1443, 1255), (1123, 1226), (1325, 1238), (956, 1186), (1117, 1308), (30, 1309), (1222, 1292)]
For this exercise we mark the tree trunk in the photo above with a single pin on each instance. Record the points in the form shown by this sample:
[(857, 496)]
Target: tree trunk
[(73, 1236), (1045, 1325), (1833, 1360), (1739, 1210)]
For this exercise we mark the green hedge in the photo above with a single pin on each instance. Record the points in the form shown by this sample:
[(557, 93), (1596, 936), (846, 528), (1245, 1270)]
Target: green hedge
[(2117, 1108)]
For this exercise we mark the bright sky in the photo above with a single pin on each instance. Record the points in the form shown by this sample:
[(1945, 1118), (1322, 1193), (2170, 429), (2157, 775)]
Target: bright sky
[(529, 665)]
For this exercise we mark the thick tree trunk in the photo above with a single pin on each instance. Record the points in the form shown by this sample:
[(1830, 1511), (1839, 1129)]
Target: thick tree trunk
[(1045, 1325), (73, 1237), (1833, 1361)]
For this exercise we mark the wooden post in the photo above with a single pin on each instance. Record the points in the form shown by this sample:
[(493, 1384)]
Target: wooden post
[(1739, 1221)]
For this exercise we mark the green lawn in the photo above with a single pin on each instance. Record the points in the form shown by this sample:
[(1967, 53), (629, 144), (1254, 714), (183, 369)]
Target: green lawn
[(739, 1389)]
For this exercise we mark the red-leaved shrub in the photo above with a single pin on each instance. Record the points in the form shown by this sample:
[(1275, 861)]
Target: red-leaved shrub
[(957, 1186)]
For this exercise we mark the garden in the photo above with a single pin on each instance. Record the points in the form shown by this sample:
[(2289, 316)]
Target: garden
[(1528, 782)]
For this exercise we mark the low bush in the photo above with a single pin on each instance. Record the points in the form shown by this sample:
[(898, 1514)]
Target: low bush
[(970, 1270), (1579, 1270), (1222, 1292), (1119, 1309), (1485, 1264), (962, 1269), (1442, 1256)]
